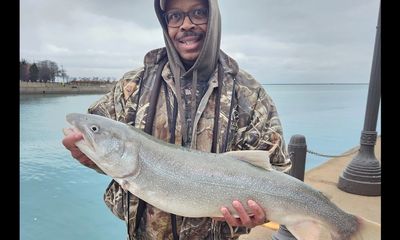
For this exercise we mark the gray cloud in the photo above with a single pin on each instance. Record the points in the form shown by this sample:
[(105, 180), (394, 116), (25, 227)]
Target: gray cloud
[(275, 41)]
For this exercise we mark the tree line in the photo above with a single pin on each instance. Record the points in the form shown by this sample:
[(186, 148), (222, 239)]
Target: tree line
[(43, 71)]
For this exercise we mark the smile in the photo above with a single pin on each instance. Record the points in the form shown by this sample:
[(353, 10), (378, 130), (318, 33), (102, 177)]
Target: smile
[(190, 42)]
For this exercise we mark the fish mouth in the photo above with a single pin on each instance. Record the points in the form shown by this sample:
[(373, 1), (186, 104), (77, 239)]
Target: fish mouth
[(88, 139)]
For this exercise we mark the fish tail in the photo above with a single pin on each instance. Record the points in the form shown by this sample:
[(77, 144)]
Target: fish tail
[(367, 230)]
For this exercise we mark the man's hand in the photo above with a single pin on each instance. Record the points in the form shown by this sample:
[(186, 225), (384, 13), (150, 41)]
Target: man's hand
[(257, 217), (71, 137)]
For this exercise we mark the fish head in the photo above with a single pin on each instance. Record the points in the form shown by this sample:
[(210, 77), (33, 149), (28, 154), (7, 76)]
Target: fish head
[(105, 143)]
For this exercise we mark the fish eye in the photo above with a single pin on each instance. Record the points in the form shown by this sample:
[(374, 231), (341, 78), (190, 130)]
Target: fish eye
[(94, 128)]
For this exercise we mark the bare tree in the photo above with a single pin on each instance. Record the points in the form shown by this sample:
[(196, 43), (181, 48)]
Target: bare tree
[(34, 72), (53, 70), (63, 74), (24, 70), (47, 70)]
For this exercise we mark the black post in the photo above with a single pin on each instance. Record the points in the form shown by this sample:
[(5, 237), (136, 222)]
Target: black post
[(363, 175), (297, 148)]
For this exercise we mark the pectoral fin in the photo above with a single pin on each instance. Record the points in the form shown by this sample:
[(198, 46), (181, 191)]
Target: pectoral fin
[(271, 225), (125, 185), (257, 158)]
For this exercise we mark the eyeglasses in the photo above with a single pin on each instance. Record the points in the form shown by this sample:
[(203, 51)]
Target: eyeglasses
[(175, 18)]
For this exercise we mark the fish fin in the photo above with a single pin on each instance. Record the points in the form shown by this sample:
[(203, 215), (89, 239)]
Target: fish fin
[(305, 230), (124, 184), (271, 225), (368, 230), (257, 158)]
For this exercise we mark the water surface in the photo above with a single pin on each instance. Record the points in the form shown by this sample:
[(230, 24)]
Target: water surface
[(61, 199)]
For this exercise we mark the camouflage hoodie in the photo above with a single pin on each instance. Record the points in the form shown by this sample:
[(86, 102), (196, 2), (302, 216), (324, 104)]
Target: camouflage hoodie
[(233, 112)]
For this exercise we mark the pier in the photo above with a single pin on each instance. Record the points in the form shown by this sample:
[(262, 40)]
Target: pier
[(325, 178), (63, 88)]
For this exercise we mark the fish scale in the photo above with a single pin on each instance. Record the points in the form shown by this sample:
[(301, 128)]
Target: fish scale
[(191, 183)]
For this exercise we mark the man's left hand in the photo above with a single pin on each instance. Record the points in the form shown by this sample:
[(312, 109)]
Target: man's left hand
[(257, 217)]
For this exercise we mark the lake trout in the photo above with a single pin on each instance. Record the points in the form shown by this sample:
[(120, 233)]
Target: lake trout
[(192, 183)]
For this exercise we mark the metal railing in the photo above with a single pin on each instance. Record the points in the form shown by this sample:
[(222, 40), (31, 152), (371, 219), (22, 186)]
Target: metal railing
[(334, 156)]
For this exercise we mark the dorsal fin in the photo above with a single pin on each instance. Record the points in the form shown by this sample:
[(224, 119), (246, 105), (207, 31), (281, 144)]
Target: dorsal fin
[(257, 158)]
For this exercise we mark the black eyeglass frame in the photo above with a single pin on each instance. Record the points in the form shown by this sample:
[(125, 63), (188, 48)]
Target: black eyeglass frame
[(184, 14)]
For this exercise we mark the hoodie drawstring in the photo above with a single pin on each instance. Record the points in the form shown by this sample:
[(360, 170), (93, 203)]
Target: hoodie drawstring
[(181, 111), (194, 99)]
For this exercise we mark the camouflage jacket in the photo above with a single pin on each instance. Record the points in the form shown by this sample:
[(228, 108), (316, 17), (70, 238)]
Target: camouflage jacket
[(247, 120)]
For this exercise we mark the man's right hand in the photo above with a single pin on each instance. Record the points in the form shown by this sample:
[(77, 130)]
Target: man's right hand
[(71, 137)]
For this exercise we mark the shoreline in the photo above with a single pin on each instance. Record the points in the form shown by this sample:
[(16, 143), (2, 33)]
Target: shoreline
[(62, 88)]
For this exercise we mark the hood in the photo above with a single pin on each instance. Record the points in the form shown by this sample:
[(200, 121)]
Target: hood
[(208, 58)]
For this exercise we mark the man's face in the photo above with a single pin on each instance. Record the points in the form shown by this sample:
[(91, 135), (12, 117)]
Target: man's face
[(188, 38)]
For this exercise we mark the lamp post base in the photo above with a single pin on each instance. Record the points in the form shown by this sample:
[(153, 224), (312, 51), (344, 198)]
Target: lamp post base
[(363, 175)]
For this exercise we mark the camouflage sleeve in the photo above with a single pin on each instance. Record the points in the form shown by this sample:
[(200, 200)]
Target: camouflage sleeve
[(105, 105), (259, 126), (266, 132), (112, 105), (113, 198)]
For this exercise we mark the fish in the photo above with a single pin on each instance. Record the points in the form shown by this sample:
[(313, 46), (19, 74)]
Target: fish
[(193, 183)]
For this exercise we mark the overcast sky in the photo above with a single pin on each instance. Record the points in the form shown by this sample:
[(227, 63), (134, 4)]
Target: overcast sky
[(277, 41)]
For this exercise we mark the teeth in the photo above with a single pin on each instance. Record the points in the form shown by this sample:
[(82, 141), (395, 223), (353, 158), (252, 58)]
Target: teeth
[(188, 42)]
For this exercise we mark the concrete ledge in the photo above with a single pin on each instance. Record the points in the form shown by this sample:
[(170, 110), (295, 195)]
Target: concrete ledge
[(57, 88)]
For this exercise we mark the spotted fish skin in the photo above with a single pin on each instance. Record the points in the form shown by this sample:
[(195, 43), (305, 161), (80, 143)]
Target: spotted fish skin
[(192, 183)]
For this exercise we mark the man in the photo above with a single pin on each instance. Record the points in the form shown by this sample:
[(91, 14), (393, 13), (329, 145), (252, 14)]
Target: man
[(192, 94)]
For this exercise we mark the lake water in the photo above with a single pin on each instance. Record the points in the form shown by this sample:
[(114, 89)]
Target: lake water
[(60, 199)]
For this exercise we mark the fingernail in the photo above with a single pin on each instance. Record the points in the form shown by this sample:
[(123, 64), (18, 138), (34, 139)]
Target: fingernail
[(236, 203), (251, 203)]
